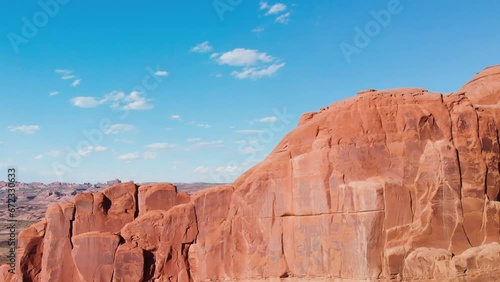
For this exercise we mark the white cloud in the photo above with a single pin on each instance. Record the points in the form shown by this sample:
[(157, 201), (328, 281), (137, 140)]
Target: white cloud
[(129, 156), (243, 57), (76, 83), (119, 127), (250, 131), (161, 73), (136, 102), (114, 96), (255, 73), (39, 157), (63, 71), (268, 119), (258, 29), (159, 146), (100, 148), (133, 101), (263, 5), (204, 125), (214, 55), (194, 139), (203, 47), (274, 9), (26, 129), (53, 93), (85, 151), (66, 77), (202, 169), (86, 102), (211, 144), (283, 19), (177, 117)]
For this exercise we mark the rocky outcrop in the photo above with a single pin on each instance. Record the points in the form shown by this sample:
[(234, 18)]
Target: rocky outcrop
[(399, 184)]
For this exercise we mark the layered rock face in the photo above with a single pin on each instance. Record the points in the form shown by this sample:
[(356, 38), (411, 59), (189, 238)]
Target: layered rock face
[(397, 185)]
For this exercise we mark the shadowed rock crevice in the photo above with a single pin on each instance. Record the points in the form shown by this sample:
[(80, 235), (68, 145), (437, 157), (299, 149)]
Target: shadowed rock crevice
[(149, 265)]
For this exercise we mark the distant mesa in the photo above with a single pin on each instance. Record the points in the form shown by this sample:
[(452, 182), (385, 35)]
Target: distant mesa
[(113, 182)]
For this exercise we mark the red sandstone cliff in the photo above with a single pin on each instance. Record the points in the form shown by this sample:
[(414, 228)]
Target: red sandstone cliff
[(400, 184)]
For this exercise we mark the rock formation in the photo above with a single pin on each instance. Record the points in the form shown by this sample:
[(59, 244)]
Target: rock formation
[(397, 185)]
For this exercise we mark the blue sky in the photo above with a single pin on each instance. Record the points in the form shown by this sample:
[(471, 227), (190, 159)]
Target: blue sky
[(187, 91)]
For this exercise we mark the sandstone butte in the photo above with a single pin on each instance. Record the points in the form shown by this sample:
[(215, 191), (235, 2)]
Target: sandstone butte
[(398, 185)]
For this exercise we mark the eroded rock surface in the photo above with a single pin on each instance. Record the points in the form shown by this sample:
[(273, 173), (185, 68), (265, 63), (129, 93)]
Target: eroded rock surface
[(397, 184)]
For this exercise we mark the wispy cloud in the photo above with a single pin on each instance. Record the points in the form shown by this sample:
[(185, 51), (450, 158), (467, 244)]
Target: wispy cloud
[(53, 93), (268, 119), (161, 73), (275, 10), (203, 47), (176, 117), (135, 101), (159, 146), (204, 125), (255, 64), (243, 57), (76, 82), (129, 156), (26, 129), (211, 144), (63, 71), (86, 102), (66, 77), (118, 99), (255, 73), (283, 19), (86, 151), (258, 29), (119, 128), (272, 9), (39, 157)]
